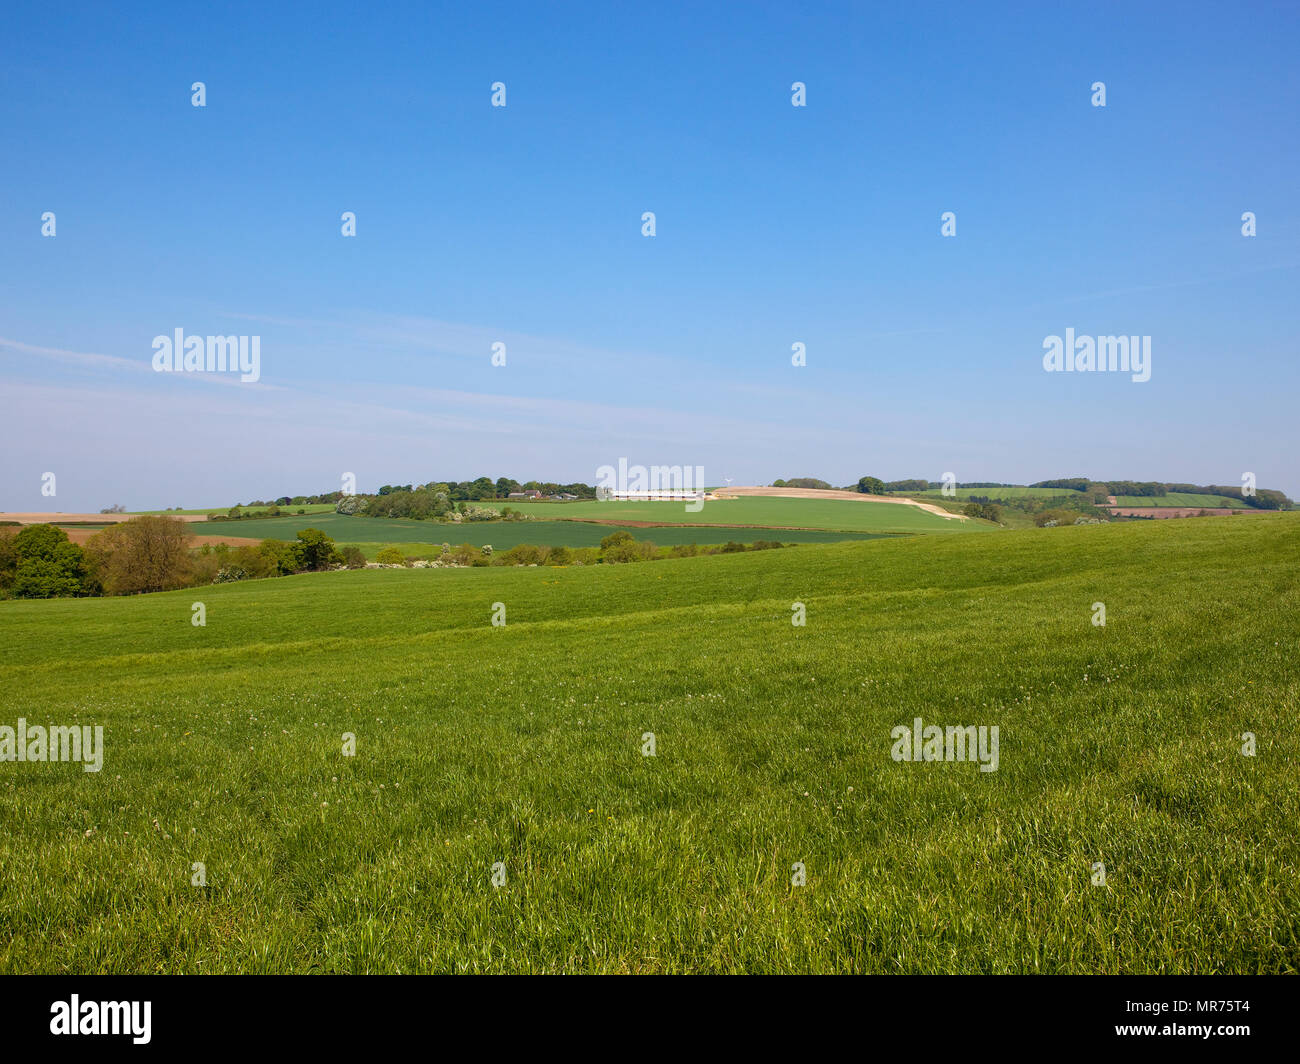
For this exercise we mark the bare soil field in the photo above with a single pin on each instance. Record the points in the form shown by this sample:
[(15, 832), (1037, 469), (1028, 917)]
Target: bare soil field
[(34, 518), (833, 493)]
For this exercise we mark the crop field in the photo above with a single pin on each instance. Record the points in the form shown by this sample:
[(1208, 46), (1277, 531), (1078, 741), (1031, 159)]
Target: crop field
[(501, 534), (521, 748), (1183, 498), (843, 515)]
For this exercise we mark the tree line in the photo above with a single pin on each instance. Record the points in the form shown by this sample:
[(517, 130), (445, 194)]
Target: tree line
[(151, 553)]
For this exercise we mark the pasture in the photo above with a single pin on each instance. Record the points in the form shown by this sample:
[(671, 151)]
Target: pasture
[(521, 747)]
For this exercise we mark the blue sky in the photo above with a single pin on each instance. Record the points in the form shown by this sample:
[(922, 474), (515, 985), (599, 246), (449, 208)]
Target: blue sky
[(522, 224)]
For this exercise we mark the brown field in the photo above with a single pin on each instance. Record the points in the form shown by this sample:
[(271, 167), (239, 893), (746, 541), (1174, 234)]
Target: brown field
[(34, 518), (834, 493)]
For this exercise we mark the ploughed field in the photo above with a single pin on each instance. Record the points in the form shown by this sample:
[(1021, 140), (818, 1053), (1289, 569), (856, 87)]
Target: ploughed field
[(520, 746)]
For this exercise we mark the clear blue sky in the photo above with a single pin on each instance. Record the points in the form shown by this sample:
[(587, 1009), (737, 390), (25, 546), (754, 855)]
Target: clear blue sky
[(522, 224)]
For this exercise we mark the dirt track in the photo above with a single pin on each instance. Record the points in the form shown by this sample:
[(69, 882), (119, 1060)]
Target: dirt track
[(833, 493)]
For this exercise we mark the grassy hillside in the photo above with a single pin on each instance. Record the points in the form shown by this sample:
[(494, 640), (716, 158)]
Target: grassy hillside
[(997, 493), (1182, 498), (522, 744)]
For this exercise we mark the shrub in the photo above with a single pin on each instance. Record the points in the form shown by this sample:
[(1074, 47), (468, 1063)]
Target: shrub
[(622, 551), (523, 554), (353, 558), (281, 558), (391, 556), (615, 539)]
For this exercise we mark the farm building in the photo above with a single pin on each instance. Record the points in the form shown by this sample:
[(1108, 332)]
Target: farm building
[(662, 494)]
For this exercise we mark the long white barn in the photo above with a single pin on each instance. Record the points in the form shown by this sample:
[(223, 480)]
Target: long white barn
[(662, 494)]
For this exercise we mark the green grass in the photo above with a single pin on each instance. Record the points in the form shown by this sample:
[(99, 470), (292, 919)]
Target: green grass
[(1182, 498), (521, 744)]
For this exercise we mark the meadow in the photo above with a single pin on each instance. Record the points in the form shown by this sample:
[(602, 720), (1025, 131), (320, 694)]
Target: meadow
[(522, 746)]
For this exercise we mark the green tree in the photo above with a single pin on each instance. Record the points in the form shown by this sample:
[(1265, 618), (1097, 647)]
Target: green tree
[(871, 486), (47, 565), (987, 511), (8, 558), (315, 550), (278, 557)]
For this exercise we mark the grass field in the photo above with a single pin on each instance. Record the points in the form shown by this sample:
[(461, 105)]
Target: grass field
[(841, 515), (501, 534), (1183, 498), (522, 745)]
